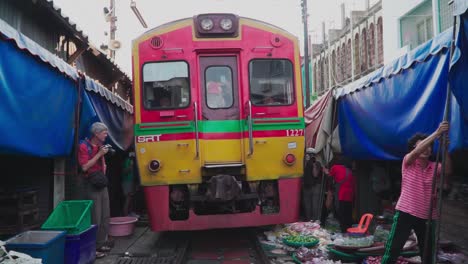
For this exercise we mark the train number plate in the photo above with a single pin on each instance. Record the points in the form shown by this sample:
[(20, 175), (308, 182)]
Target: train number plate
[(294, 132)]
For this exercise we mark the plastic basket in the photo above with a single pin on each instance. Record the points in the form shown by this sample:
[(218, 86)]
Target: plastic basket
[(46, 245), (336, 254), (73, 216), (81, 248)]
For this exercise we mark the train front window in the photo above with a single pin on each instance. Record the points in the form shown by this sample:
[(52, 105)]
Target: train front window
[(166, 85), (218, 85), (271, 82)]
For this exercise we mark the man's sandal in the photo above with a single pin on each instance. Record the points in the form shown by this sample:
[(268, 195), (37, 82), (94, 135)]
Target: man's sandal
[(105, 249), (100, 254)]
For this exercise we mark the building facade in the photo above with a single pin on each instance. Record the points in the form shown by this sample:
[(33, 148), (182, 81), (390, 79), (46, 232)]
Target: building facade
[(351, 52), (409, 23)]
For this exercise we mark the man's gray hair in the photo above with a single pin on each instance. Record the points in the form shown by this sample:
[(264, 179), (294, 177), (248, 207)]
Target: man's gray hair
[(97, 127)]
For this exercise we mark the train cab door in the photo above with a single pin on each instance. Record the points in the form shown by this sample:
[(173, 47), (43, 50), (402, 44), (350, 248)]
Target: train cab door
[(219, 124)]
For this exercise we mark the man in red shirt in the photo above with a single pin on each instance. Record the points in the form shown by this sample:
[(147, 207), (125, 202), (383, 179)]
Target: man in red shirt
[(412, 209), (344, 193), (91, 159)]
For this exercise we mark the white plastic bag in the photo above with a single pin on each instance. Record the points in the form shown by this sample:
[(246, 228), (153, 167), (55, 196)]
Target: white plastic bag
[(14, 257)]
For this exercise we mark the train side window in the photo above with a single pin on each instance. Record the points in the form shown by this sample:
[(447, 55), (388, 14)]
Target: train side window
[(271, 82), (166, 85), (218, 87)]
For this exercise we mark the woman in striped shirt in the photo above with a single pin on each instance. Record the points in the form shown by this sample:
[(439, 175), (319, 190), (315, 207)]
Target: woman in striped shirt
[(412, 209)]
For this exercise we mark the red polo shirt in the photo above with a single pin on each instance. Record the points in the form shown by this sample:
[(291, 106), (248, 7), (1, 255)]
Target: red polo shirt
[(84, 157), (346, 192)]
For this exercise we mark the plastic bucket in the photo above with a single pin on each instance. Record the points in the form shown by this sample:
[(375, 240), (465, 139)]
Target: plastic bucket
[(122, 226)]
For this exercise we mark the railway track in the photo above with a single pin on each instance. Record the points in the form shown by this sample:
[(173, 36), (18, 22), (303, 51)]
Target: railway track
[(209, 247)]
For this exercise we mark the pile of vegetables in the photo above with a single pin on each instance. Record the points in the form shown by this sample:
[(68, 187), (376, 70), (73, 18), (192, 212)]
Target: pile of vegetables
[(300, 240)]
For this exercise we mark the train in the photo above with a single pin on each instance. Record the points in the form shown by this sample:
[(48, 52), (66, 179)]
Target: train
[(219, 123)]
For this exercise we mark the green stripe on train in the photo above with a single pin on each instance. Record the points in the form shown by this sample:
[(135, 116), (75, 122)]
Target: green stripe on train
[(218, 126)]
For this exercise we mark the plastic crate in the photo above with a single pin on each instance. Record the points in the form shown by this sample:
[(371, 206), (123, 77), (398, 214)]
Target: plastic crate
[(81, 248), (46, 245), (73, 216)]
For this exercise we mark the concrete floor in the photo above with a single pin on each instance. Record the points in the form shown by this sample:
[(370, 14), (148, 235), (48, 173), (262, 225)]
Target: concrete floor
[(142, 242)]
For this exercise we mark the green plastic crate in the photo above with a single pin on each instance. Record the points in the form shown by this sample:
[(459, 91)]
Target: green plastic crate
[(73, 216)]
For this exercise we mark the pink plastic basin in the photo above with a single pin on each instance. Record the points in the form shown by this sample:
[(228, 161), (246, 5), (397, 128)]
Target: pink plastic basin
[(122, 226)]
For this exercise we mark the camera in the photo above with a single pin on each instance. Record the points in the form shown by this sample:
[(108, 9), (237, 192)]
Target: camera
[(109, 147)]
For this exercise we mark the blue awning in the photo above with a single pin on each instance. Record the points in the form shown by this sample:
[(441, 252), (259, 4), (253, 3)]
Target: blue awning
[(25, 43), (380, 112), (37, 98), (99, 104), (418, 55), (94, 86), (458, 71)]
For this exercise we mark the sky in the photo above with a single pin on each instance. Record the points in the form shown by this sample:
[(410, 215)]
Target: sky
[(88, 15)]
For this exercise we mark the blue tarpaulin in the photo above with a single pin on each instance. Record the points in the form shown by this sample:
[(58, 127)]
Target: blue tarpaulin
[(380, 112), (38, 96), (459, 69), (99, 104), (37, 105)]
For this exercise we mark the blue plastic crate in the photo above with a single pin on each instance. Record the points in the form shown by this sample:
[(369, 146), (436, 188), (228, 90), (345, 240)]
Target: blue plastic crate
[(81, 248), (46, 245)]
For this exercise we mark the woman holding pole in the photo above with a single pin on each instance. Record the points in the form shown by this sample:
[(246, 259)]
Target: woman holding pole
[(414, 205)]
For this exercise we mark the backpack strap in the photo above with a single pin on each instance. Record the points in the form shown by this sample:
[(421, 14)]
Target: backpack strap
[(88, 145)]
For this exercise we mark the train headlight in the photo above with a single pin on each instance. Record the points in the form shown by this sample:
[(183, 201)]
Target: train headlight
[(206, 24), (289, 159), (226, 24), (154, 166)]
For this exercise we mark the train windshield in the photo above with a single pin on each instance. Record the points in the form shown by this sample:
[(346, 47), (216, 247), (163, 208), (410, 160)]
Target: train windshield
[(166, 85), (271, 82), (219, 87)]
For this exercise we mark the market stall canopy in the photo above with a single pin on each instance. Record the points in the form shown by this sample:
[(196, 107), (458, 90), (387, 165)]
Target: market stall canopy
[(313, 117), (378, 113), (38, 98), (99, 104), (319, 119), (459, 69)]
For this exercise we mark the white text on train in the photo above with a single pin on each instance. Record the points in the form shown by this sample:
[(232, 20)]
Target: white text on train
[(150, 138)]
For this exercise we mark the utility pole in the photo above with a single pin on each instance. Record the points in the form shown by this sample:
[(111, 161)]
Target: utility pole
[(330, 71), (352, 47), (113, 27), (306, 51)]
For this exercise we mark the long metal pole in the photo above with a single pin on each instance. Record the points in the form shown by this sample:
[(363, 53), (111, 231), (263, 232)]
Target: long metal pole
[(444, 147), (442, 150), (306, 52)]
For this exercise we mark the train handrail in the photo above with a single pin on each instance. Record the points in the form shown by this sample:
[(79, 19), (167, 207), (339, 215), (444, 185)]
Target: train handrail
[(250, 124), (197, 136)]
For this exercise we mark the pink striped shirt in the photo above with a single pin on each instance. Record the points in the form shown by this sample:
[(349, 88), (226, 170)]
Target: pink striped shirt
[(416, 185)]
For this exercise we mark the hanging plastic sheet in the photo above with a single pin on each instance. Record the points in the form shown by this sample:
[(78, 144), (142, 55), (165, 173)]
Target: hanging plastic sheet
[(314, 116), (459, 69), (116, 119), (37, 105), (379, 113)]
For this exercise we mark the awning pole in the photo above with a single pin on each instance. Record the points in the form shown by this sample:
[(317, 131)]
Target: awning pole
[(443, 148)]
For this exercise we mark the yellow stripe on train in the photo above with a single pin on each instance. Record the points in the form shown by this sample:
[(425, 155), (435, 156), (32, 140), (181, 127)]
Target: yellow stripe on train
[(179, 164)]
